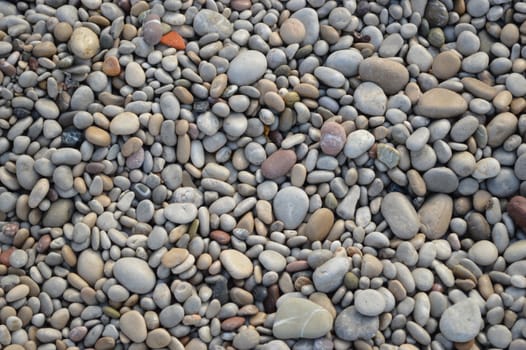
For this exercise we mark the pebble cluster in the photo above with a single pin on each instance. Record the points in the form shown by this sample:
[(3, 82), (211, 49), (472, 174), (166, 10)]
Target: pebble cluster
[(244, 174)]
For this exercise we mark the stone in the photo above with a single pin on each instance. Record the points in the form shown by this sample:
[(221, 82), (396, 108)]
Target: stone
[(332, 138), (500, 128), (483, 253), (180, 213), (350, 325), (358, 142), (446, 65), (435, 216), (436, 14), (208, 21), (345, 61), (90, 266), (111, 66), (319, 225), (236, 263), (124, 123), (278, 164), (292, 31), (301, 318), (59, 213), (441, 103), (309, 18), (517, 210), (84, 43), (400, 215), (441, 180), (515, 251), (247, 67), (134, 74), (461, 322), (290, 206), (158, 338), (329, 276), (97, 136), (370, 99), (330, 76), (133, 325), (369, 302), (134, 274), (390, 75), (152, 29)]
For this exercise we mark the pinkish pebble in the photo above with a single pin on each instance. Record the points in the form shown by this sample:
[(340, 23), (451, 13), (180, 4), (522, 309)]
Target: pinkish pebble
[(332, 138), (278, 164)]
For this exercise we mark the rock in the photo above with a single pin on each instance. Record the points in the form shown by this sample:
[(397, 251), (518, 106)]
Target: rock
[(301, 318), (332, 138), (152, 29), (400, 214), (330, 76), (388, 155), (435, 216), (290, 206), (309, 18), (59, 213), (208, 21), (124, 123), (329, 276), (461, 322), (97, 136), (90, 266), (517, 210), (180, 213), (84, 43), (236, 264), (133, 325), (370, 99), (500, 128), (441, 180), (483, 253), (345, 61), (158, 338), (441, 103), (446, 65), (278, 164), (134, 274), (247, 67), (111, 66), (47, 108), (292, 31), (515, 251), (358, 142), (390, 75), (369, 302), (350, 325), (319, 225), (134, 74), (436, 14)]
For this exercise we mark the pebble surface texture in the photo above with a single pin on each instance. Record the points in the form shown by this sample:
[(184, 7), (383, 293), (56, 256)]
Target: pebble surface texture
[(262, 174)]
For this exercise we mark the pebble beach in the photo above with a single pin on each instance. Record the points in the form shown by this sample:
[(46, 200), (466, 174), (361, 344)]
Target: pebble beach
[(262, 174)]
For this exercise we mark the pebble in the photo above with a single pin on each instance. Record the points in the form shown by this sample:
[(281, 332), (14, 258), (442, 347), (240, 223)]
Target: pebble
[(292, 31), (350, 325), (180, 213), (208, 21), (446, 65), (301, 318), (400, 215), (236, 264), (391, 76), (278, 164), (329, 276), (290, 206), (332, 138), (133, 326), (461, 321), (90, 266), (370, 99), (435, 215), (369, 302), (125, 123), (84, 43), (134, 274), (483, 253), (247, 67), (134, 74), (441, 103), (319, 225)]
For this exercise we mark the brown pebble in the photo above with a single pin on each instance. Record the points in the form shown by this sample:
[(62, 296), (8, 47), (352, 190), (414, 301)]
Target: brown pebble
[(220, 236), (332, 138), (44, 49), (111, 66), (298, 265), (232, 323), (62, 31), (278, 164), (97, 136), (43, 243), (240, 5), (272, 297), (4, 256), (517, 210)]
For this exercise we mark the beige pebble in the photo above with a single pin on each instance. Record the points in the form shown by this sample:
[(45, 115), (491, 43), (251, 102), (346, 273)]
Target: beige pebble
[(292, 31), (98, 136), (125, 123)]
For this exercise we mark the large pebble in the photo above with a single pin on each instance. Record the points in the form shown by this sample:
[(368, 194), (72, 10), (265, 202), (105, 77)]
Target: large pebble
[(290, 206), (134, 274), (332, 138), (500, 128), (358, 142), (180, 213), (319, 225), (309, 18), (351, 325), (125, 123), (441, 103), (390, 75), (133, 325), (247, 67), (208, 21), (435, 215), (236, 263), (369, 302), (84, 43), (278, 164), (301, 318), (517, 210), (400, 214), (461, 322), (370, 99), (90, 266), (345, 61), (329, 276)]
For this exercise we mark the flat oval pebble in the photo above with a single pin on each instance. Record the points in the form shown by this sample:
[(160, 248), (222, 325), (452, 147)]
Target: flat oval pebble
[(370, 99), (461, 321), (134, 274), (278, 164), (208, 21), (400, 215), (391, 76), (301, 318), (125, 123), (132, 325), (247, 67), (369, 302), (181, 213), (435, 215), (332, 138), (236, 263), (441, 103), (84, 43), (290, 206), (351, 325)]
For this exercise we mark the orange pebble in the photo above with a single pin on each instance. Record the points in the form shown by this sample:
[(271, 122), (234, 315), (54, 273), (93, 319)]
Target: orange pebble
[(111, 66), (174, 40)]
